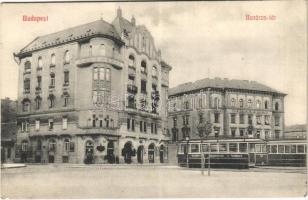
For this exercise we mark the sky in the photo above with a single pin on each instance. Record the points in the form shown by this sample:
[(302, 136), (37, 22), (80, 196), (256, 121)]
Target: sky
[(198, 39)]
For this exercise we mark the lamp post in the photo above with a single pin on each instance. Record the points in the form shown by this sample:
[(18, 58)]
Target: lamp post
[(187, 140)]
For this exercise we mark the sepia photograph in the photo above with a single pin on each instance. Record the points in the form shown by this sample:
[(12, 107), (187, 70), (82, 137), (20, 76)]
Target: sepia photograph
[(200, 99)]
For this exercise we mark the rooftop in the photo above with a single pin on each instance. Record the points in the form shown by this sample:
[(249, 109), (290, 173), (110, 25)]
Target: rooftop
[(219, 83), (296, 128), (98, 27)]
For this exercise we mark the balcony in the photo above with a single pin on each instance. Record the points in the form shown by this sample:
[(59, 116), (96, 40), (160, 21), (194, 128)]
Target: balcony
[(95, 59), (132, 88)]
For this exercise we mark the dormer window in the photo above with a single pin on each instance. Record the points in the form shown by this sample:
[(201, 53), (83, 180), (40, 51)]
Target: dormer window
[(67, 57)]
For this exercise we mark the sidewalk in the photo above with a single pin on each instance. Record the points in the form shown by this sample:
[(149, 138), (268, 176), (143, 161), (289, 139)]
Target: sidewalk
[(12, 165)]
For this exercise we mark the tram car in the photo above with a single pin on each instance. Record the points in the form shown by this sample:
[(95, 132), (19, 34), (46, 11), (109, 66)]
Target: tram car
[(242, 153)]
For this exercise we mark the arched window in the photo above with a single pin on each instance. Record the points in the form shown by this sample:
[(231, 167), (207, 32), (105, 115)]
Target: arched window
[(131, 61), (216, 102), (40, 62), (241, 103), (102, 50), (53, 59), (276, 106), (258, 104), (232, 102), (266, 104), (154, 71), (26, 105), (52, 145), (67, 57), (27, 67), (249, 103), (143, 67)]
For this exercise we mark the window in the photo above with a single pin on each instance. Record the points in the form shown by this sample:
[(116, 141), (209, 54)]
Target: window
[(39, 145), (66, 145), (101, 73), (107, 121), (223, 147), (140, 126), (277, 121), (152, 127), (50, 124), (194, 148), (64, 123), (51, 99), (266, 104), (233, 147), (26, 105), (186, 105), (267, 134), (293, 148), (24, 126), (258, 104), (216, 103), (37, 125), (66, 100), (53, 59), (243, 147), (267, 120), (214, 147), (66, 77), (249, 103), (233, 102), (128, 124), (300, 148), (131, 61), (242, 119), (27, 85), (39, 82), (273, 148), (280, 148), (94, 120), (133, 125), (276, 106), (155, 128), (67, 57), (233, 132), (143, 67), (242, 131), (145, 127), (27, 67), (205, 147), (259, 119), (40, 62), (102, 50), (216, 117), (216, 131), (241, 103), (258, 134), (52, 145), (154, 71), (52, 80), (143, 86), (233, 118), (101, 123), (277, 134), (107, 74), (24, 146), (72, 146), (250, 119), (95, 74)]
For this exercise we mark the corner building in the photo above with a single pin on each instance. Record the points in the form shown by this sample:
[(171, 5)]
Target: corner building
[(95, 93)]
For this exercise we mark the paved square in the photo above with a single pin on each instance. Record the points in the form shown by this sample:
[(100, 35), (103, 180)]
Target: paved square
[(145, 181)]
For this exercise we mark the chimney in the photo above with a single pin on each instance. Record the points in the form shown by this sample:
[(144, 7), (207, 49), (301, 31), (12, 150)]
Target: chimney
[(133, 21), (119, 12)]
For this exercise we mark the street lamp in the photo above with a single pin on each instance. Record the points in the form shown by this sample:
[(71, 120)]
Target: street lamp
[(187, 140)]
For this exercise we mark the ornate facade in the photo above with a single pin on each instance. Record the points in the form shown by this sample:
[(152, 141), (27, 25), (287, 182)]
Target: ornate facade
[(95, 93), (235, 108)]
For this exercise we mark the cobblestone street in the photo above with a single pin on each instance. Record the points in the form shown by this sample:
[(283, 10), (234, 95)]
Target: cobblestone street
[(67, 181)]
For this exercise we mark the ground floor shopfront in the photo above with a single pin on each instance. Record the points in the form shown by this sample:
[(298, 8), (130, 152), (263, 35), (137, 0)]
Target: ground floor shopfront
[(91, 149)]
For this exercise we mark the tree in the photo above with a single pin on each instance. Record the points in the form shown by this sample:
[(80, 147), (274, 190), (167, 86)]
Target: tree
[(204, 130)]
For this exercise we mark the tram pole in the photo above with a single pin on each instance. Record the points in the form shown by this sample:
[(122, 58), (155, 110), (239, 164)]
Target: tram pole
[(202, 158)]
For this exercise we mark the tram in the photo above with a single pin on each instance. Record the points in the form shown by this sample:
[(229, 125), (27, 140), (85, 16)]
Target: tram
[(242, 153)]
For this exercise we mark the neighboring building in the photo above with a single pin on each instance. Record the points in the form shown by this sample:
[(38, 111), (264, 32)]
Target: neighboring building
[(298, 131), (8, 129), (95, 93), (235, 108)]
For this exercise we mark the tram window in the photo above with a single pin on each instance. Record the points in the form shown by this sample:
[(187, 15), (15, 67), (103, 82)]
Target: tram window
[(182, 148), (288, 149), (280, 148), (268, 149), (194, 148), (293, 148), (223, 147), (263, 148), (258, 148), (274, 148), (300, 149), (214, 147), (243, 147), (233, 147), (205, 147)]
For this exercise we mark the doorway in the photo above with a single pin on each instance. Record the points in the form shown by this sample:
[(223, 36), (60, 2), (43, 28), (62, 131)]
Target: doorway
[(127, 152), (140, 154), (161, 153), (151, 153), (89, 157)]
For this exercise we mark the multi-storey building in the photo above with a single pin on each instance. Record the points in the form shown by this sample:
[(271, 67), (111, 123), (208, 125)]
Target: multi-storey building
[(95, 93), (235, 108)]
